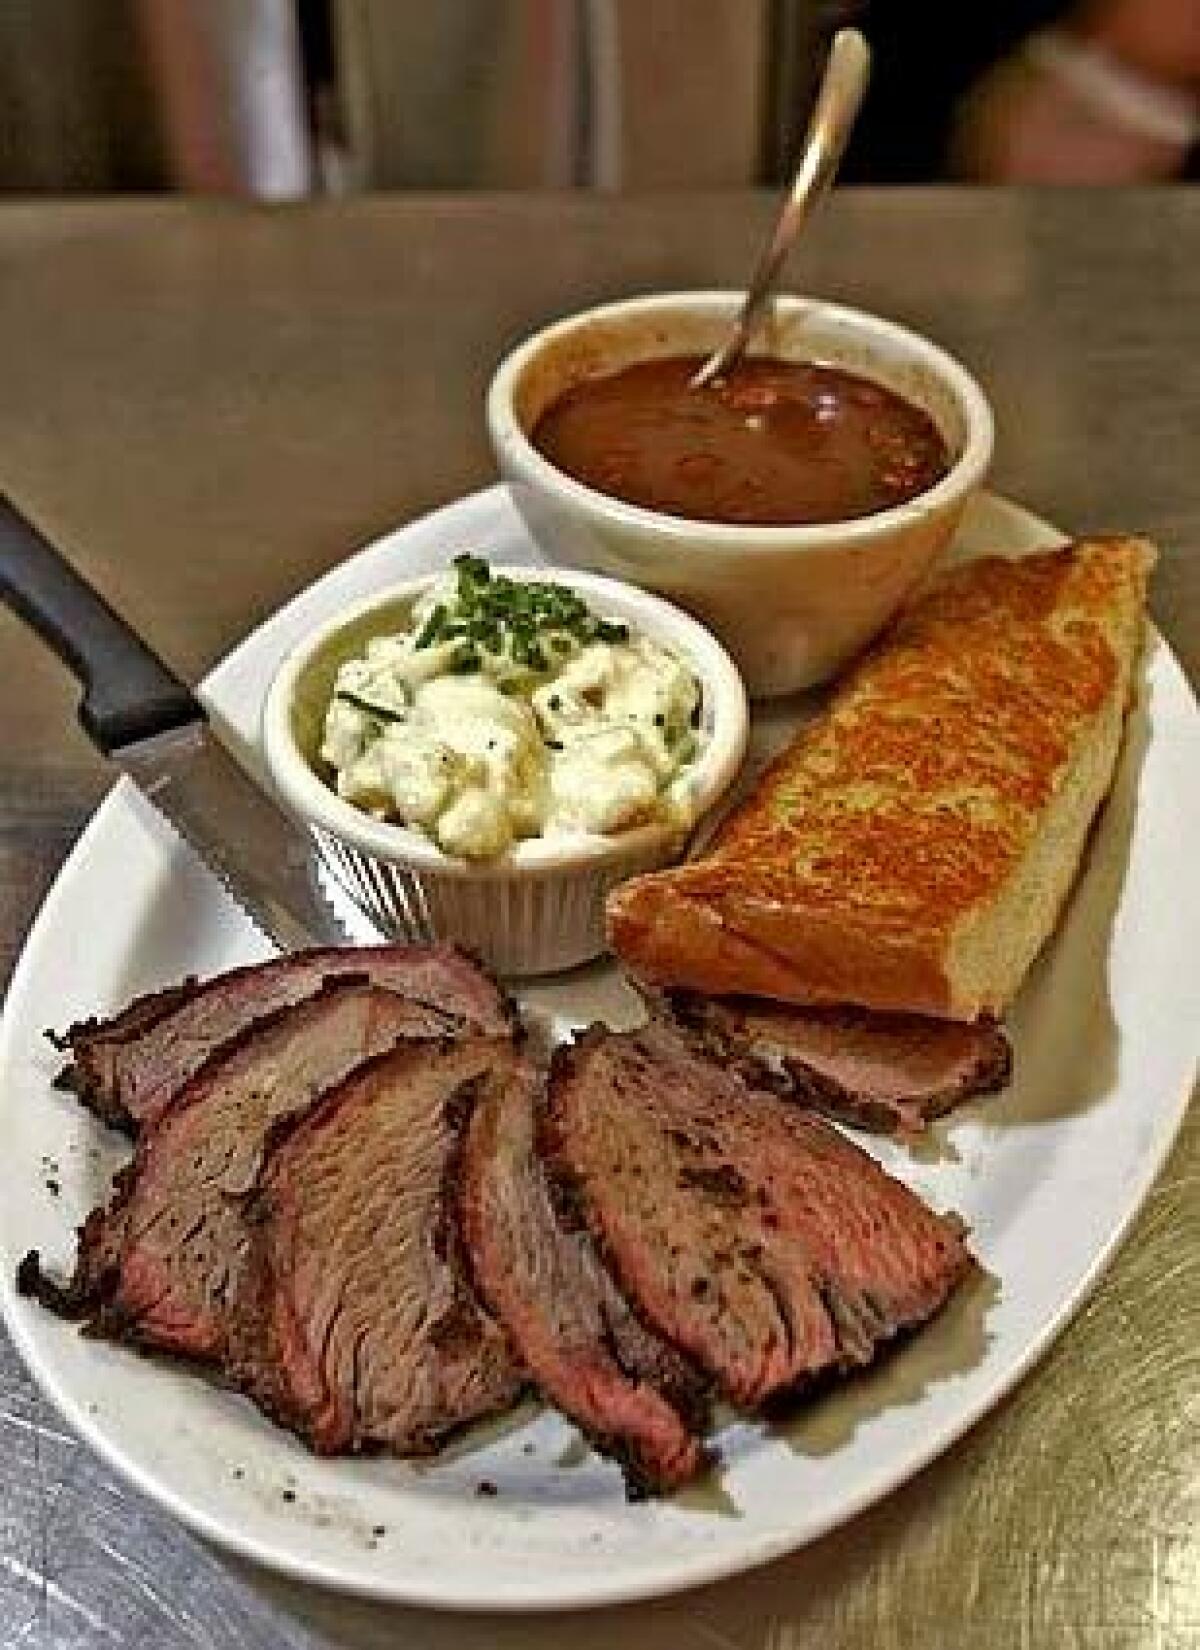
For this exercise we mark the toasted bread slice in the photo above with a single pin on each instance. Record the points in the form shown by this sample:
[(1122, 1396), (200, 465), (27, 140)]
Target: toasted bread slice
[(913, 848)]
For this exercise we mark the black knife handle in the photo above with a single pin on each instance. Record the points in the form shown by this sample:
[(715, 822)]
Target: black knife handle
[(128, 693)]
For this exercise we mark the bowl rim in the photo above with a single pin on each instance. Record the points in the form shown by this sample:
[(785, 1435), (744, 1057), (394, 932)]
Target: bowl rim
[(305, 794), (697, 536)]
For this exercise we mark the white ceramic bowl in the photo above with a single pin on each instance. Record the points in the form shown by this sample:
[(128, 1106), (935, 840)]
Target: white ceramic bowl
[(792, 604), (539, 907)]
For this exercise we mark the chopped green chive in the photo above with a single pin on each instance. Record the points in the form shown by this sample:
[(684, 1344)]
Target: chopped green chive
[(383, 712), (472, 570), (535, 624), (432, 629)]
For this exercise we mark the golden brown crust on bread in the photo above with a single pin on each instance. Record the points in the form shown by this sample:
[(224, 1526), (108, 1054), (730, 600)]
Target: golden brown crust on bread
[(895, 854)]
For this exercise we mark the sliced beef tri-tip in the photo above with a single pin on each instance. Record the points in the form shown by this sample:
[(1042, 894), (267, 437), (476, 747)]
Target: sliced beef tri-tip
[(161, 1264), (888, 1072), (127, 1068), (745, 1229), (360, 1329), (355, 1196), (634, 1396)]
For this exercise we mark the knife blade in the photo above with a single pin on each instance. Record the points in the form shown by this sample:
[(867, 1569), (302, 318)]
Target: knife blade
[(249, 843), (152, 727)]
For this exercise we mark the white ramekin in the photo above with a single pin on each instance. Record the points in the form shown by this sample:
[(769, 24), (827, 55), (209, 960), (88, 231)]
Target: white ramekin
[(792, 604), (539, 907)]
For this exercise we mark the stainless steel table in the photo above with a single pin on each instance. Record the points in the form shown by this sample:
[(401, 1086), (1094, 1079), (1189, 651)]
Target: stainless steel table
[(210, 404)]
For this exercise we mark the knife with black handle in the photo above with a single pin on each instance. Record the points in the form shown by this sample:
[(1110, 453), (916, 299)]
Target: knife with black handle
[(152, 727)]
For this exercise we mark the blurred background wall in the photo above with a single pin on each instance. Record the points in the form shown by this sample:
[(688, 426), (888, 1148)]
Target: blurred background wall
[(77, 107), (282, 98), (608, 93)]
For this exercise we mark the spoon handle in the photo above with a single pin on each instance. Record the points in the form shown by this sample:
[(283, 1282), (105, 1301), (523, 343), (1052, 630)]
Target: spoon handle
[(838, 102)]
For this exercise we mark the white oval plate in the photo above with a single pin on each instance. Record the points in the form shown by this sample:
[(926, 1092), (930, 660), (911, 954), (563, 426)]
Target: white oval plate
[(1049, 1175)]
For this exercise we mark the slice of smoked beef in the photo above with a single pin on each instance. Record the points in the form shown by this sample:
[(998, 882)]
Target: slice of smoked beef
[(634, 1396), (161, 1264), (889, 1072), (128, 1068), (366, 1332), (745, 1229)]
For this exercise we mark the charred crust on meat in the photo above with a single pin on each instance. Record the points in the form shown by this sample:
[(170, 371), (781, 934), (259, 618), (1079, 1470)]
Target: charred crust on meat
[(808, 1086), (459, 1106), (689, 1402), (326, 1104), (85, 1083), (721, 1182), (690, 1395), (562, 1184), (447, 1238), (565, 1185), (84, 1037), (684, 1386), (94, 1280), (566, 1198), (452, 1210), (459, 1328), (75, 1079), (87, 1038), (136, 1017), (507, 1002), (673, 1377), (110, 1320), (686, 1009), (218, 1058), (717, 1028), (456, 1113), (64, 1300), (568, 1056), (799, 1082), (256, 1206), (640, 1485), (857, 1329)]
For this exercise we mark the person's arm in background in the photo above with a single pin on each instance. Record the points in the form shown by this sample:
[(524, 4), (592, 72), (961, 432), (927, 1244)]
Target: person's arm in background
[(1109, 95)]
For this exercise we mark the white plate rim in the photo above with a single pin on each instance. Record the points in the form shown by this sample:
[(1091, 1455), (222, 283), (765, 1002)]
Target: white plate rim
[(706, 1568)]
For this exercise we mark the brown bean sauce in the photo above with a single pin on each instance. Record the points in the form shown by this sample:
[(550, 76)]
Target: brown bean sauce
[(775, 443)]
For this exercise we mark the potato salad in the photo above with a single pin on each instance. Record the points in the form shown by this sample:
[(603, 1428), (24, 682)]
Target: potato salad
[(509, 710)]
